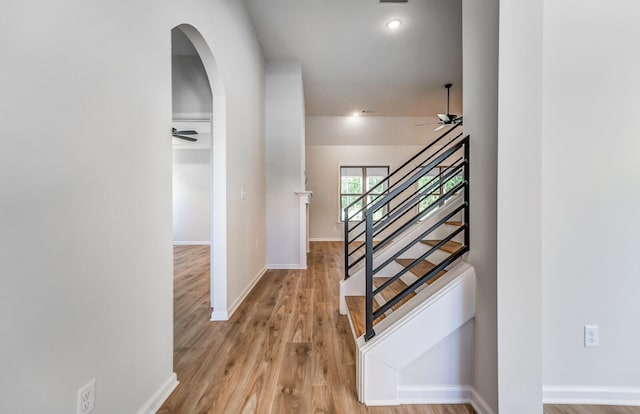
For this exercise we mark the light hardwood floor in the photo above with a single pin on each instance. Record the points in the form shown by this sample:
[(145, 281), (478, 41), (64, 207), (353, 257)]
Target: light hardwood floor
[(285, 350)]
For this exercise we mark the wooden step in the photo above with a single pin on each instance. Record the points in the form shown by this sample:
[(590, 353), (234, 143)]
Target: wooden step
[(449, 247), (454, 223), (392, 290), (356, 305), (421, 268)]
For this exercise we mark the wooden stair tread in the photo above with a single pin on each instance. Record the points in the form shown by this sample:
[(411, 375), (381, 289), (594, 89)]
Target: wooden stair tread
[(449, 247), (356, 305), (421, 268), (392, 290), (454, 223)]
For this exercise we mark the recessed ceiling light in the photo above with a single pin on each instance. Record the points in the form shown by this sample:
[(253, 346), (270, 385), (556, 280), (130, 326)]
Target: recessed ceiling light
[(393, 24), (356, 114)]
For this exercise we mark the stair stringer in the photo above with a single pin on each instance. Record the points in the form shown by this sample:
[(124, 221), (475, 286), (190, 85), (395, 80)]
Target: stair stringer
[(355, 285), (442, 308)]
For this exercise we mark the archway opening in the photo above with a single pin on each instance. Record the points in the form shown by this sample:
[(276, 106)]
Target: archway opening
[(199, 159)]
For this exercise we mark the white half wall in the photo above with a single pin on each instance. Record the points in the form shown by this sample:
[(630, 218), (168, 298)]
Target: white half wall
[(447, 364), (590, 238), (285, 162)]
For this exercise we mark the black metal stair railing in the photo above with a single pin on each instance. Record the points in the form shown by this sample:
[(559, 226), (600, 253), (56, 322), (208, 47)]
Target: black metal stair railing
[(367, 239), (354, 229)]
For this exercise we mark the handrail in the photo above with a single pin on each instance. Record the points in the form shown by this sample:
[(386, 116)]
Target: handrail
[(398, 201)]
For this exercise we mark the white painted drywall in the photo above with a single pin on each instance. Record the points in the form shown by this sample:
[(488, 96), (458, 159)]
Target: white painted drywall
[(480, 98), (191, 99), (449, 363), (228, 31), (370, 130), (191, 93), (590, 195), (519, 200), (323, 169), (191, 195), (285, 161), (85, 207)]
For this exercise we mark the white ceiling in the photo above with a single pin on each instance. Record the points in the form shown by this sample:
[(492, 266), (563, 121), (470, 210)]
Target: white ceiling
[(351, 61)]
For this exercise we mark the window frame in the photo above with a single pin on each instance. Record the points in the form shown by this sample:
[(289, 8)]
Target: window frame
[(364, 190)]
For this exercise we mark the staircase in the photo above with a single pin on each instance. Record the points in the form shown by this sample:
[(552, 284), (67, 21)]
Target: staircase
[(406, 287)]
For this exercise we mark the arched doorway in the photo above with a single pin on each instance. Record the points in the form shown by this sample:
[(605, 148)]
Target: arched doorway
[(218, 173)]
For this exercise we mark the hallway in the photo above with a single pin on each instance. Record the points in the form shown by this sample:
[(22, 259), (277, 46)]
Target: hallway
[(285, 350)]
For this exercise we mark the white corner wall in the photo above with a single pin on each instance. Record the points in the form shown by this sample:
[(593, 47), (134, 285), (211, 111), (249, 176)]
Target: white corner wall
[(85, 246), (285, 162), (480, 100), (519, 284), (590, 237)]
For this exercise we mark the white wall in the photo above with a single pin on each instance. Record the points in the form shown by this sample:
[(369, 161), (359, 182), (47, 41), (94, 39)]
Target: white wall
[(590, 197), (285, 161), (191, 195), (333, 141), (228, 31), (369, 130), (191, 98), (480, 97), (191, 93), (85, 210), (323, 173), (519, 201), (449, 363)]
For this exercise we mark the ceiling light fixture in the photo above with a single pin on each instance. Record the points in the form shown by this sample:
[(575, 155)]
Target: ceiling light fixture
[(356, 114), (393, 24)]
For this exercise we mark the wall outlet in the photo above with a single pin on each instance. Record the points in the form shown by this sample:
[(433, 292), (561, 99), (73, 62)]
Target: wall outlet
[(87, 398), (591, 336)]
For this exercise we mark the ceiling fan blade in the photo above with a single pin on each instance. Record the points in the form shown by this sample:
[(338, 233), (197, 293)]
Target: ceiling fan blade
[(440, 127), (184, 137), (187, 132), (428, 123), (444, 117)]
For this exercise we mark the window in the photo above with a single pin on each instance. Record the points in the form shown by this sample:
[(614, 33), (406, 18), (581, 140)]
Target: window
[(354, 182), (425, 183)]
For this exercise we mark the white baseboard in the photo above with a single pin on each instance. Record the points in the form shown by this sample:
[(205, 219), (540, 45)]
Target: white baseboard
[(591, 395), (479, 404), (160, 396), (245, 293), (323, 239), (286, 266), (455, 394), (192, 243), (219, 316)]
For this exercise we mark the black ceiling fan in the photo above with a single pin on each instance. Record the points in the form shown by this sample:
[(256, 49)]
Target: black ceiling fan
[(448, 118), (184, 134)]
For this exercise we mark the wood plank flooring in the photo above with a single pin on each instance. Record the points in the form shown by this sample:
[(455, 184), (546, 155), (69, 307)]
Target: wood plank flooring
[(285, 350)]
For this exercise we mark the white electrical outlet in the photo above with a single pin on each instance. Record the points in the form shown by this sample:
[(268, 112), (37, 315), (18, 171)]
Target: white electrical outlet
[(87, 398), (591, 336)]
